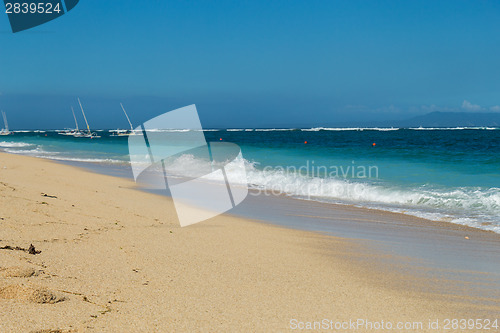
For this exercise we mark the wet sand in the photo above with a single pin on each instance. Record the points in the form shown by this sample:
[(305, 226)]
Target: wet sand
[(454, 259)]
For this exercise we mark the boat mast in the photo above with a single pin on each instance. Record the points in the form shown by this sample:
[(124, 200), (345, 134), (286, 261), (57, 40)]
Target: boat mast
[(74, 116), (126, 115), (84, 117), (5, 121)]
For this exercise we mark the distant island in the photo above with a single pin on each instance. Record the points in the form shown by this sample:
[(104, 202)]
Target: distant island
[(453, 119), (434, 119)]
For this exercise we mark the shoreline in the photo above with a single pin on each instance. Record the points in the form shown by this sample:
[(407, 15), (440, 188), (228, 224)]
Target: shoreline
[(382, 225), (122, 170), (485, 218), (441, 231), (113, 252), (125, 174)]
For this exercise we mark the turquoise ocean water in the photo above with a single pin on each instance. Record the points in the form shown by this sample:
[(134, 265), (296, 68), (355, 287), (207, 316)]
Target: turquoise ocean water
[(448, 175)]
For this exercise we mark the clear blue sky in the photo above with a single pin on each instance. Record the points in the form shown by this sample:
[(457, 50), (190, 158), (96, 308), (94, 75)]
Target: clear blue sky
[(253, 63)]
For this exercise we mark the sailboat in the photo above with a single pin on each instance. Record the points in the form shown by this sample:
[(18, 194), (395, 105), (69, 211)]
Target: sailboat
[(5, 131), (88, 134), (129, 132), (72, 132)]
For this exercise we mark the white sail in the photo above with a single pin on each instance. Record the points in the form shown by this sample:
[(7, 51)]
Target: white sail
[(119, 132), (72, 132), (5, 121), (84, 117), (126, 115), (5, 131), (76, 122), (89, 134)]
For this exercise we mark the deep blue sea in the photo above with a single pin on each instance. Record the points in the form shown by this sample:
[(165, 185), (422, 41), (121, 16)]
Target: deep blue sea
[(448, 175)]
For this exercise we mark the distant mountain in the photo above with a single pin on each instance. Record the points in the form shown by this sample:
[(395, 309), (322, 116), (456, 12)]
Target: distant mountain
[(452, 119)]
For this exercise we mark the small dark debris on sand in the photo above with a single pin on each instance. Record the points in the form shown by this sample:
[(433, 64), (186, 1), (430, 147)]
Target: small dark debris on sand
[(30, 250), (49, 196)]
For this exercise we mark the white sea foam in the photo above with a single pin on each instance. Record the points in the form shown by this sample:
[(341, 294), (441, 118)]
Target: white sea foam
[(335, 129), (451, 128), (245, 130), (12, 144), (382, 129), (273, 129), (30, 152), (179, 130), (386, 129), (475, 207), (22, 148), (86, 160)]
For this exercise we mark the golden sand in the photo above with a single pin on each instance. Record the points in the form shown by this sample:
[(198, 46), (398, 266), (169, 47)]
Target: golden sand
[(114, 259)]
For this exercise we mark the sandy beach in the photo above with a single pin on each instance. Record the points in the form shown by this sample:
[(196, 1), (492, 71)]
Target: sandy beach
[(114, 259)]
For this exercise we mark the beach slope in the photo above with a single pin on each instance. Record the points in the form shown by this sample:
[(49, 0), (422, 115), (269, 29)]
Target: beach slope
[(109, 258)]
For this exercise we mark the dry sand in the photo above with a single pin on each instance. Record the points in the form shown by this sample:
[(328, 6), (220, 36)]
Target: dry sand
[(114, 259)]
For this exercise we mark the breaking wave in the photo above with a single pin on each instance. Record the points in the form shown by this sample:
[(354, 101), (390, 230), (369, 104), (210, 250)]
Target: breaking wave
[(472, 206)]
